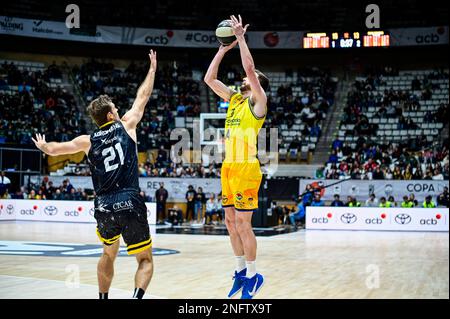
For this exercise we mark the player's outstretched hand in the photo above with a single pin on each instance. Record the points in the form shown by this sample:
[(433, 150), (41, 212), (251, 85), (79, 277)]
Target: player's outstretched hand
[(237, 25), (153, 60), (39, 141)]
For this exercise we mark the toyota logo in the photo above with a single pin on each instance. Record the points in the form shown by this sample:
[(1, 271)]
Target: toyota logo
[(10, 209), (402, 219), (51, 210), (348, 218)]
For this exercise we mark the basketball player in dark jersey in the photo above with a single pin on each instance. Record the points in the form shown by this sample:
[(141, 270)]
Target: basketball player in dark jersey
[(119, 210)]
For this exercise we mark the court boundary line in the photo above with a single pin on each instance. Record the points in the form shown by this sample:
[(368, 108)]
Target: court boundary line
[(89, 285)]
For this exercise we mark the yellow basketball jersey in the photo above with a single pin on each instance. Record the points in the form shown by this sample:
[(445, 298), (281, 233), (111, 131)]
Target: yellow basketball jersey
[(241, 130)]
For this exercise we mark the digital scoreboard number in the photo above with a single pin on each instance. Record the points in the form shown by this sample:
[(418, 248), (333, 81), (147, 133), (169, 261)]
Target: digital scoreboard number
[(316, 41), (346, 40), (376, 39)]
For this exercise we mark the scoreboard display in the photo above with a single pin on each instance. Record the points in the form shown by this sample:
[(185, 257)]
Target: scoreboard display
[(316, 40), (346, 39)]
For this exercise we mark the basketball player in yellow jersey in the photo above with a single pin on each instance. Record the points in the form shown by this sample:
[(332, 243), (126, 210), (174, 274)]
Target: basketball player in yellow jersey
[(241, 174)]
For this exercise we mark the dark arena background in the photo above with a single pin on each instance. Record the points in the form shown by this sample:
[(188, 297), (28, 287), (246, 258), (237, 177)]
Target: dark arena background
[(354, 150)]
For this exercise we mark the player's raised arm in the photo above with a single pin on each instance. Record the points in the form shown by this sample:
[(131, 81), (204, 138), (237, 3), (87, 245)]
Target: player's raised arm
[(258, 95), (211, 75), (78, 144), (134, 115)]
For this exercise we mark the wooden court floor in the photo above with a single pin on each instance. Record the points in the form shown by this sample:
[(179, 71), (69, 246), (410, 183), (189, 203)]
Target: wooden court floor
[(305, 264)]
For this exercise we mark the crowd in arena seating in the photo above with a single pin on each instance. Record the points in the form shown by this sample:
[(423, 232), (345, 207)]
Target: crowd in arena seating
[(410, 157), (392, 161), (46, 190), (28, 104), (311, 108), (175, 93)]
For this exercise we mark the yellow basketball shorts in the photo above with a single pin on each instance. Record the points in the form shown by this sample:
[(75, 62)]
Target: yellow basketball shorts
[(240, 185)]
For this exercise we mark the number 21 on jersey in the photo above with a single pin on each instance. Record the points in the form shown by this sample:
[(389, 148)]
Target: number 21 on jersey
[(110, 154)]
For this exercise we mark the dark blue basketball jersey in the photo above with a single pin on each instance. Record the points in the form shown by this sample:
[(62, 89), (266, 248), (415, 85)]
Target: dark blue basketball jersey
[(113, 160)]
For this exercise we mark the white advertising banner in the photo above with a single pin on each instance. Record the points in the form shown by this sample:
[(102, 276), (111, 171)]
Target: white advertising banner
[(7, 210), (419, 36), (177, 187), (56, 210), (361, 189), (367, 218), (42, 29)]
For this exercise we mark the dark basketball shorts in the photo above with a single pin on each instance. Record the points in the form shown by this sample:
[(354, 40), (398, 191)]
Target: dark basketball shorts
[(123, 214)]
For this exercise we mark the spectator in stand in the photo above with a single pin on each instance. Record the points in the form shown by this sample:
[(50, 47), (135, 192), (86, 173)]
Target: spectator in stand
[(407, 203), (58, 195), (412, 199), (191, 194), (5, 183), (372, 201), (397, 173), (337, 202), (428, 203), (443, 198), (337, 143), (211, 209), (388, 174), (352, 202), (378, 174), (161, 159), (333, 159), (317, 201), (32, 195), (175, 216), (161, 196), (308, 195), (384, 203), (200, 200), (392, 201), (6, 195), (50, 190), (315, 130), (66, 187), (299, 214), (438, 175)]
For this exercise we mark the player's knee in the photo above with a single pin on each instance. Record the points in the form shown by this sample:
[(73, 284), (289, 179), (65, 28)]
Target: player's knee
[(109, 256), (231, 226), (243, 224), (145, 258)]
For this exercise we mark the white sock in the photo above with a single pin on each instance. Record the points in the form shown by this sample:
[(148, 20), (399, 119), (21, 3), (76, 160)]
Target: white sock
[(240, 263), (251, 268)]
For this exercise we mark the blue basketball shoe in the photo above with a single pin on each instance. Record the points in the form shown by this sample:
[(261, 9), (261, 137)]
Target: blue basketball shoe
[(252, 286), (238, 283)]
